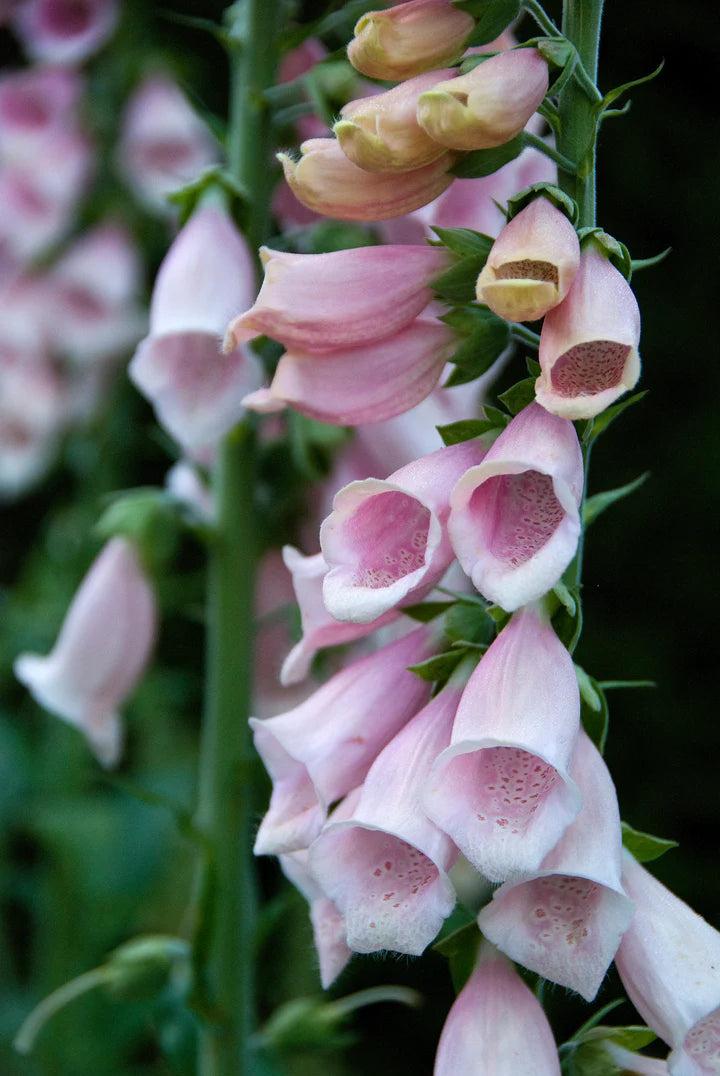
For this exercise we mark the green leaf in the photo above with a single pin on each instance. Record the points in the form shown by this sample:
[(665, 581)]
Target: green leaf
[(565, 597), (600, 423), (567, 625), (594, 712), (483, 162), (151, 518), (518, 396), (464, 430), (595, 1020), (533, 367), (644, 846), (559, 199), (631, 1036), (439, 667), (647, 263), (464, 241), (469, 623), (493, 16), (607, 685), (460, 947), (426, 611), (457, 284), (612, 95), (486, 337), (597, 504)]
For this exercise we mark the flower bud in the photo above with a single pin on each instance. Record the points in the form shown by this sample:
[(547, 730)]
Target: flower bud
[(531, 265), (490, 105), (326, 181), (409, 39)]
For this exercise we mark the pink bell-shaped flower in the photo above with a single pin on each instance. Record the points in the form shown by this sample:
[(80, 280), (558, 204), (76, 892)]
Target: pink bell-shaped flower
[(589, 343), (409, 38), (197, 391), (566, 919), (514, 520), (101, 652), (669, 963), (531, 265), (496, 1025), (489, 105), (35, 104), (502, 790), (386, 866), (318, 752), (325, 180), (64, 31), (386, 542)]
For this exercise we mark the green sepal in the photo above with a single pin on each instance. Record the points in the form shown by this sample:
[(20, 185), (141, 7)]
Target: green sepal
[(560, 55), (424, 612), (594, 712), (438, 667), (567, 625), (465, 430), (565, 597), (458, 283), (533, 367), (143, 967), (615, 251), (483, 162), (485, 338), (597, 504), (493, 16), (644, 846), (464, 241), (648, 263), (559, 199), (630, 1036), (459, 943), (215, 183), (519, 395), (595, 426), (612, 95), (469, 624), (151, 518)]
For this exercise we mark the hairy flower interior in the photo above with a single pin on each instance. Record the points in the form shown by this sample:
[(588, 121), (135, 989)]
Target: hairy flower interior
[(516, 514), (389, 532), (702, 1043), (527, 269), (589, 368), (561, 909), (510, 785)]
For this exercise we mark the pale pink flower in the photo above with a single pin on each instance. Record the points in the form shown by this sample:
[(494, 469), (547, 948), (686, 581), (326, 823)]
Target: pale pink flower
[(64, 31), (669, 963), (566, 919), (531, 264), (496, 1026), (164, 144), (410, 38), (514, 521), (35, 104), (502, 790), (101, 652), (386, 542), (385, 867), (489, 105), (589, 343), (324, 180), (197, 391), (318, 752)]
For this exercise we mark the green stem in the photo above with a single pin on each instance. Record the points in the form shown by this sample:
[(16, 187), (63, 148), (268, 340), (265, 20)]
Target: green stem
[(227, 899), (561, 159), (541, 18), (578, 115)]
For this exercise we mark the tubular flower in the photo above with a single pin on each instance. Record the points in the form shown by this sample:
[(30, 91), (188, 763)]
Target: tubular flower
[(328, 928), (197, 391), (323, 302), (496, 1025), (565, 920), (64, 31), (322, 749), (489, 105), (408, 39), (514, 520), (589, 343), (326, 181), (101, 652), (669, 963), (385, 867), (501, 790), (381, 133), (386, 541), (531, 264)]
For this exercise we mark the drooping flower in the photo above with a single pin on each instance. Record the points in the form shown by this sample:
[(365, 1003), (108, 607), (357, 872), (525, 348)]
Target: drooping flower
[(325, 180), (64, 31), (496, 1025), (514, 520), (408, 39), (566, 919), (35, 104), (386, 541), (101, 652), (318, 752), (589, 343), (385, 866), (669, 963), (197, 391), (489, 105), (501, 789), (531, 264)]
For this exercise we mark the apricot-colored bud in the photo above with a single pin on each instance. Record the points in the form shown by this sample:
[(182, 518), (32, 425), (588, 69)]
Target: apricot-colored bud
[(409, 39), (488, 106), (531, 265), (381, 133), (326, 181)]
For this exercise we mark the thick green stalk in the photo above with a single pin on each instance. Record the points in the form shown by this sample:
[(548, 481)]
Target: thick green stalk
[(578, 121), (227, 897)]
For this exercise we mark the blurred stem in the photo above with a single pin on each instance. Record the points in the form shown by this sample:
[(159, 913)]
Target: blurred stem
[(227, 890), (578, 117)]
